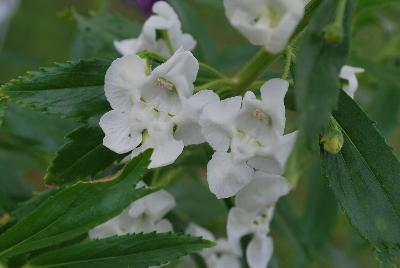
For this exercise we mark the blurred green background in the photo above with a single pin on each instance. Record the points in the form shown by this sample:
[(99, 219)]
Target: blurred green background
[(47, 31)]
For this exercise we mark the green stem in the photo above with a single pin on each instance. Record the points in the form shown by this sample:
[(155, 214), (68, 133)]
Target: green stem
[(215, 84), (289, 56), (341, 8), (253, 70)]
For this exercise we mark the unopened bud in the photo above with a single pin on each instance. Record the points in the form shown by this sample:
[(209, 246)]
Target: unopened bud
[(332, 141), (333, 34)]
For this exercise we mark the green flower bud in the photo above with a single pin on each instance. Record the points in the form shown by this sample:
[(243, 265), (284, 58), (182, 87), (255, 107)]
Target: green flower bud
[(333, 34), (332, 141)]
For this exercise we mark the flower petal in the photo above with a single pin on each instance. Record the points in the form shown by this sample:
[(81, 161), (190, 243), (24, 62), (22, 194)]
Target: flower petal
[(259, 251), (123, 80), (196, 230), (118, 135), (217, 121), (239, 224), (225, 177), (263, 191), (164, 226), (349, 73), (158, 204)]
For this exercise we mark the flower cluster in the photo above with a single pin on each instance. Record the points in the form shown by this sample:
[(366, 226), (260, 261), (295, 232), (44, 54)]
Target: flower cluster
[(142, 216), (162, 32), (158, 109)]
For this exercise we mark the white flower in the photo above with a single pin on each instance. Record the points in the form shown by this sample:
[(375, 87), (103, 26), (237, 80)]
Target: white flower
[(144, 215), (349, 73), (269, 23), (252, 214), (148, 106), (247, 135), (219, 256), (164, 19)]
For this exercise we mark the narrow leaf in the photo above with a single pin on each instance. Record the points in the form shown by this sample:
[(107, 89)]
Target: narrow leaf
[(317, 68), (365, 178), (75, 210), (140, 250), (84, 155)]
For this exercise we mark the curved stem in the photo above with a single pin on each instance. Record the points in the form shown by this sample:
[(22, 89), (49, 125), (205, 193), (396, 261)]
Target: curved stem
[(215, 84)]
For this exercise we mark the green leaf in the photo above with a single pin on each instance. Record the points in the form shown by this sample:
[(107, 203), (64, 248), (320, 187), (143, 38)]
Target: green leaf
[(27, 207), (75, 210), (73, 89), (140, 250), (365, 178), (3, 108), (84, 155), (317, 69), (96, 34)]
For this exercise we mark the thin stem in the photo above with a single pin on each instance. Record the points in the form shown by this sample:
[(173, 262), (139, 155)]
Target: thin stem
[(289, 56), (253, 70), (215, 84), (341, 8), (211, 70)]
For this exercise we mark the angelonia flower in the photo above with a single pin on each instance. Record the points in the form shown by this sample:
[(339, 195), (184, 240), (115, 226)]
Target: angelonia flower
[(153, 109), (349, 73), (247, 135), (268, 23), (252, 214), (162, 32), (221, 255), (144, 215)]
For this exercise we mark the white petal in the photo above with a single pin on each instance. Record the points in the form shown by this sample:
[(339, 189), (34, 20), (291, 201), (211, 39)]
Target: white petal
[(123, 80), (118, 135), (217, 122), (158, 204), (187, 121), (188, 42), (166, 153), (126, 47), (273, 96), (239, 224), (228, 261), (263, 191), (164, 226), (196, 230), (107, 229), (225, 177), (349, 73), (259, 251)]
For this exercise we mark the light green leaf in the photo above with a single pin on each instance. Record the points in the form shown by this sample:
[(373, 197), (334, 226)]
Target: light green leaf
[(73, 89), (140, 250), (75, 210), (365, 178), (84, 155), (317, 69)]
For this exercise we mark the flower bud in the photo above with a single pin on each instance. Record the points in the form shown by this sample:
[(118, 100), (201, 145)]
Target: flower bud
[(333, 34), (332, 141)]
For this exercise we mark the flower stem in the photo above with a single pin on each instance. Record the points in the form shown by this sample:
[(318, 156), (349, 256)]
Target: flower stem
[(289, 57), (215, 84), (253, 70)]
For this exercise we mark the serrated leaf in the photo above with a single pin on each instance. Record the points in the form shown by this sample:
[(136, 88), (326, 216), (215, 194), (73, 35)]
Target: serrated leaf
[(75, 210), (317, 69), (84, 155), (96, 34), (140, 250), (365, 178), (73, 89)]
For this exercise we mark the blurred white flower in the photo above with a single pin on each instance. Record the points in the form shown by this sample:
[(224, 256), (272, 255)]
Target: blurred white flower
[(148, 106), (252, 214), (164, 20), (268, 23), (349, 73), (247, 135), (219, 256), (7, 10), (145, 215)]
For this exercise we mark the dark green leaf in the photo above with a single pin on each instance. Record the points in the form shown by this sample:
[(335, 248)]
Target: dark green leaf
[(96, 34), (140, 250), (317, 68), (73, 89), (3, 108), (365, 178), (84, 155), (75, 210), (27, 207)]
